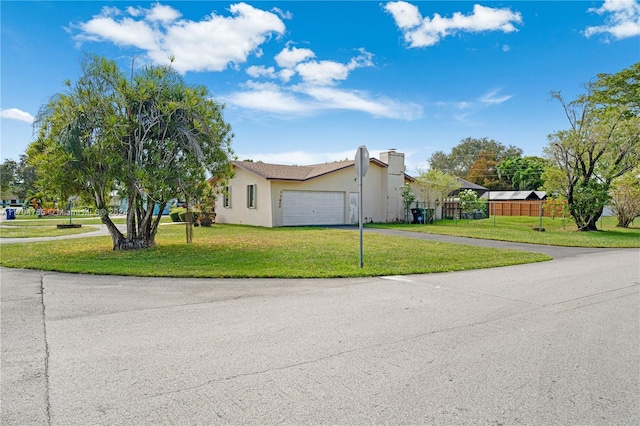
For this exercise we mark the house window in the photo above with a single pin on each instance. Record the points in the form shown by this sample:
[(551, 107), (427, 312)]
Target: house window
[(251, 196), (226, 197)]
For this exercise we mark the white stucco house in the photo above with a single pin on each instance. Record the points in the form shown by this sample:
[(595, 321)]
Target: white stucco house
[(273, 195)]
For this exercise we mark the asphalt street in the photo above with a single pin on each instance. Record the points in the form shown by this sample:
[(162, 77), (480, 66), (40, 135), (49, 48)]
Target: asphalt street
[(552, 343)]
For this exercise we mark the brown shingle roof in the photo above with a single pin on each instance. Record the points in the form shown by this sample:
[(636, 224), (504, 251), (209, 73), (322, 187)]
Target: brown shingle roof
[(299, 173)]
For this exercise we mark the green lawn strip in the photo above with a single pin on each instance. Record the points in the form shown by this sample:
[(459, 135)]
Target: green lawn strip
[(521, 229), (52, 220), (32, 227), (226, 251), (41, 230)]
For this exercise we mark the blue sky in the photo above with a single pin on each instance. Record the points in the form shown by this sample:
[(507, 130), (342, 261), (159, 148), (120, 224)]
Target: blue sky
[(308, 82)]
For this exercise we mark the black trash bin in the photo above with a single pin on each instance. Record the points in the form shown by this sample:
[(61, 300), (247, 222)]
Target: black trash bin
[(417, 215), (11, 214)]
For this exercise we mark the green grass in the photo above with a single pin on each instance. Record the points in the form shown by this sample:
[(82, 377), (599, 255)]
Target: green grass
[(40, 228), (243, 251), (557, 232), (32, 226)]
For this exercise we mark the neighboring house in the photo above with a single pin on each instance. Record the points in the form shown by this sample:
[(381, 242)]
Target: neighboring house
[(272, 195), (12, 200), (465, 184), (451, 206)]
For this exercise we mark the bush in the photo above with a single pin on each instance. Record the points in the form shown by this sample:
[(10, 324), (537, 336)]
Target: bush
[(183, 215), (174, 214)]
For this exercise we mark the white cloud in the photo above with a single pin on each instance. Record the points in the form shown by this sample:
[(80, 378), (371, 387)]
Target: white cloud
[(328, 72), (126, 32), (261, 71), (331, 98), (423, 32), (316, 90), (622, 19), (494, 98), (282, 13), (16, 114), (289, 58), (323, 72), (164, 14), (463, 111), (406, 14), (286, 74), (306, 99), (211, 44), (269, 97)]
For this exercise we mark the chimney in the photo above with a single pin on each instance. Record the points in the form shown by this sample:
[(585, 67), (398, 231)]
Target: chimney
[(395, 182)]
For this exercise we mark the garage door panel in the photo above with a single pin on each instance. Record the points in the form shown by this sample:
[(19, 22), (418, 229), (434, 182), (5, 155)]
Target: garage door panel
[(312, 208)]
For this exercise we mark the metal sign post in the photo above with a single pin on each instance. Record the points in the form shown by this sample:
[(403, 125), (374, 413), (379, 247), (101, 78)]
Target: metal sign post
[(362, 165)]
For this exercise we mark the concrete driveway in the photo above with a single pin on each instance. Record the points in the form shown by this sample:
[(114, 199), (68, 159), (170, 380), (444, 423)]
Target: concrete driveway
[(548, 343)]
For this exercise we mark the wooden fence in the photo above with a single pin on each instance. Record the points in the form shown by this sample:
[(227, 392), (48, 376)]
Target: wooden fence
[(451, 209), (525, 208)]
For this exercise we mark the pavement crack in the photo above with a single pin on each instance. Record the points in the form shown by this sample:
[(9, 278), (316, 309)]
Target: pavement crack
[(592, 295), (335, 355), (43, 314), (267, 370)]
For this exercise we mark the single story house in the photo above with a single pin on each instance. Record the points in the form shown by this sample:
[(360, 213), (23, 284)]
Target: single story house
[(273, 195)]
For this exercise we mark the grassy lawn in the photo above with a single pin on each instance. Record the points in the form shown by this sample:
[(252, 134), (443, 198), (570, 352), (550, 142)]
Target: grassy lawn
[(520, 229), (44, 227), (243, 251), (32, 226)]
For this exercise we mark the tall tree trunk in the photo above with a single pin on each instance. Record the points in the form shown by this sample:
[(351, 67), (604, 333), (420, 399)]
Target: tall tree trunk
[(140, 242), (116, 235), (592, 223)]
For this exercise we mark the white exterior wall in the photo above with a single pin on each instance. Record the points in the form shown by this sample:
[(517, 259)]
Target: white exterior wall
[(239, 213)]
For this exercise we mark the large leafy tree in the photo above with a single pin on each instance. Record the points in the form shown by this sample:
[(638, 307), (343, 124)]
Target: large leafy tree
[(602, 143), (433, 186), (523, 173), (17, 178), (463, 155), (484, 171), (7, 177), (150, 138)]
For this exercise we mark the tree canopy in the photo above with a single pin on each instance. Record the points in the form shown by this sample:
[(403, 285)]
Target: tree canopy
[(148, 139), (433, 186), (523, 173), (601, 144), (17, 178), (462, 157)]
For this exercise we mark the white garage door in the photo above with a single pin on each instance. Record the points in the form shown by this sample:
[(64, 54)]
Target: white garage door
[(312, 208)]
